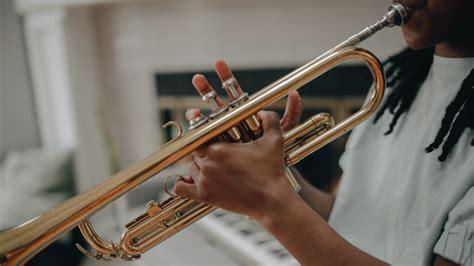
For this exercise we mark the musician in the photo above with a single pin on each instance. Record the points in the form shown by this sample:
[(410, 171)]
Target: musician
[(407, 195)]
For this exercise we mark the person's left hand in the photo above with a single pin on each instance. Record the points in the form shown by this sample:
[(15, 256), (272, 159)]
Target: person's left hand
[(247, 178), (293, 109), (242, 177)]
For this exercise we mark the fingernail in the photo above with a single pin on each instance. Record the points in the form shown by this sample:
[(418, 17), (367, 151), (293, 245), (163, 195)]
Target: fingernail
[(295, 94), (201, 84), (222, 70), (188, 179)]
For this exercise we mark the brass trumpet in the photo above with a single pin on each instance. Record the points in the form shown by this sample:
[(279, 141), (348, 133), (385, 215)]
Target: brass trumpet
[(237, 122)]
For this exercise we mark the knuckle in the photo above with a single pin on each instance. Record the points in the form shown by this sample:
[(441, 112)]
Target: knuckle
[(273, 116), (206, 183), (264, 114), (275, 139), (180, 190), (207, 168), (217, 151), (200, 151), (177, 189), (191, 167)]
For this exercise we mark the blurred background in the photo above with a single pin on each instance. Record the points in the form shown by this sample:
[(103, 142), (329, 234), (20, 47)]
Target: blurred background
[(85, 86)]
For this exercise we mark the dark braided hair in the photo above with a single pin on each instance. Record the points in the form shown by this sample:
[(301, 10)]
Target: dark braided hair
[(406, 72)]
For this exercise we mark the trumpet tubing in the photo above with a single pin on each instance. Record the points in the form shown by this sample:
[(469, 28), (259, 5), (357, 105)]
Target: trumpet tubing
[(237, 122), (162, 220)]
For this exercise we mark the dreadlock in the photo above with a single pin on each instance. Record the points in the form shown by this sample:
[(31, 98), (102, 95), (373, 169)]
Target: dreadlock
[(405, 73)]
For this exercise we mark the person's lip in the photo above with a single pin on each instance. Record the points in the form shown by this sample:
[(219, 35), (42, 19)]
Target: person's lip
[(411, 5), (408, 8)]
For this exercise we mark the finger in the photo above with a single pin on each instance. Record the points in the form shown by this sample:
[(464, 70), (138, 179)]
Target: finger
[(185, 189), (224, 72), (293, 111), (201, 151), (188, 179), (193, 169), (203, 87), (192, 114), (270, 122)]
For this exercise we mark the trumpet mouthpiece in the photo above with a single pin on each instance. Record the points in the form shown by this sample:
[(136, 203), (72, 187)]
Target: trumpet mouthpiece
[(397, 15)]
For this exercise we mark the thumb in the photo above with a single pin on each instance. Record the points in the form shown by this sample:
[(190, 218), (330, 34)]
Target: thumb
[(293, 111)]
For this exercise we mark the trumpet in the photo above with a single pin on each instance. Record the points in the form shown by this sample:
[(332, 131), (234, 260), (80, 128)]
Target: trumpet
[(237, 122)]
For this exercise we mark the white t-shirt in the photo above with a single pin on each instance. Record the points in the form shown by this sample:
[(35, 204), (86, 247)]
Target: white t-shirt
[(398, 203)]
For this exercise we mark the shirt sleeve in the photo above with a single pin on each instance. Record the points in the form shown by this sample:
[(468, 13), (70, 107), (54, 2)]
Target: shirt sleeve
[(456, 241)]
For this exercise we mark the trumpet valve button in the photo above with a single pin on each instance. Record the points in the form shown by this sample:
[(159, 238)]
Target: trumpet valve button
[(231, 87), (211, 99)]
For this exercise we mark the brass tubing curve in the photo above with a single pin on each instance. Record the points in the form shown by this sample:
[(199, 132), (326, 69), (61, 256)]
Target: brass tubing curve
[(196, 211), (349, 123), (100, 246), (314, 125)]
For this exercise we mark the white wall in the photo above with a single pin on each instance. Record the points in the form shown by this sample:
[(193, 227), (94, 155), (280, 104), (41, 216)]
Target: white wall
[(139, 39), (67, 86), (18, 126)]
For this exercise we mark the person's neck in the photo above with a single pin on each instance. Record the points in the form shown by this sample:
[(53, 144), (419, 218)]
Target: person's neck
[(455, 50)]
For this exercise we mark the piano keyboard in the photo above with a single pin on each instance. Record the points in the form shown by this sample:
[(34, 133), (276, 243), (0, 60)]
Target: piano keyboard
[(244, 239)]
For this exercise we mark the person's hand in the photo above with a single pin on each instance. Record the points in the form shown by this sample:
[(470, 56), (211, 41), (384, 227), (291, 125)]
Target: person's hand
[(242, 177), (220, 171), (293, 110)]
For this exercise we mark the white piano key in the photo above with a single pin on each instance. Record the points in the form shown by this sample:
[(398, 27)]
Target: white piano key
[(245, 239)]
